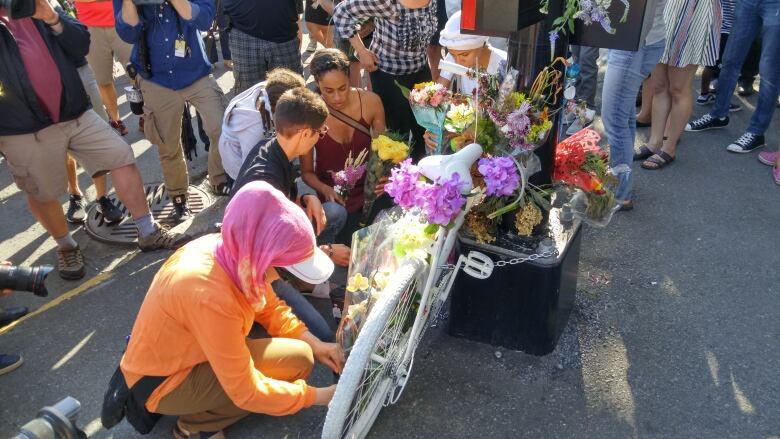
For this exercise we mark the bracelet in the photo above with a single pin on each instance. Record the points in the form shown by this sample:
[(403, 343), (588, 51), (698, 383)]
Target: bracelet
[(55, 23), (330, 250)]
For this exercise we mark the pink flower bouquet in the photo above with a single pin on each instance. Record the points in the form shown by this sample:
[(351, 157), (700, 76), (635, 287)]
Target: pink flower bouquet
[(430, 102)]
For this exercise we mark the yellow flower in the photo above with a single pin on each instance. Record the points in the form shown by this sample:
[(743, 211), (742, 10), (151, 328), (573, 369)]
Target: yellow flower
[(390, 150), (381, 279), (357, 283), (422, 85)]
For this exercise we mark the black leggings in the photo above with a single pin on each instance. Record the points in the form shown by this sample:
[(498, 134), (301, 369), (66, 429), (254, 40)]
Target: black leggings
[(398, 113)]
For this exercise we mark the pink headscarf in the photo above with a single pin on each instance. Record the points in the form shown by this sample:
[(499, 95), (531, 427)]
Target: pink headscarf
[(261, 229)]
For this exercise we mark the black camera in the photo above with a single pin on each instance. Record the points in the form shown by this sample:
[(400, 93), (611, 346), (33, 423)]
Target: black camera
[(29, 279), (56, 422), (19, 8)]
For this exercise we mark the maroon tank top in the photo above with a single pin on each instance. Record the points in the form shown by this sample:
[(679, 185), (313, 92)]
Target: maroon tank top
[(332, 155)]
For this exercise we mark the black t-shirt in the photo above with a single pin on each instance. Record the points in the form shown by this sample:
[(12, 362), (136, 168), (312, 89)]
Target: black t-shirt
[(270, 20), (268, 162)]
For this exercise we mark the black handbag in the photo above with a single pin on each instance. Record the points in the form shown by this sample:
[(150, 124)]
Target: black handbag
[(120, 402)]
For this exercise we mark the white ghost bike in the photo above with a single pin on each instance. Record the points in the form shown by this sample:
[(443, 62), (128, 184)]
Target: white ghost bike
[(381, 359)]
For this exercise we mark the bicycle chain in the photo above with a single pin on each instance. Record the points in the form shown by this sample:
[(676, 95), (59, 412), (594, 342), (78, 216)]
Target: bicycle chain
[(513, 261)]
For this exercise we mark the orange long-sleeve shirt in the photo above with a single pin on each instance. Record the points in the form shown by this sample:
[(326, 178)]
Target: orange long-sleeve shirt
[(193, 313)]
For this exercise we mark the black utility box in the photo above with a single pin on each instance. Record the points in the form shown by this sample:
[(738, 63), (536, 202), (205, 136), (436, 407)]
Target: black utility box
[(498, 18), (520, 307)]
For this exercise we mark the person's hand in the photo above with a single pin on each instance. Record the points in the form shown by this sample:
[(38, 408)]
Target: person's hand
[(329, 354), (368, 60), (315, 212), (45, 12), (330, 194), (300, 38), (379, 189), (6, 292), (341, 254), (430, 141), (324, 395)]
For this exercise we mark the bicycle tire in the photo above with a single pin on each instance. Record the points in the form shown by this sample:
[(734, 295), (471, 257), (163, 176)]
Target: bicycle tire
[(360, 359)]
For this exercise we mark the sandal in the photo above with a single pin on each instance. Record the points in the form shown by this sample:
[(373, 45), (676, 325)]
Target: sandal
[(657, 161), (644, 153)]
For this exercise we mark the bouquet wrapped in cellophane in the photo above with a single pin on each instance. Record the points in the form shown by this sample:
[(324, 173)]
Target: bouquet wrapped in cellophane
[(378, 251)]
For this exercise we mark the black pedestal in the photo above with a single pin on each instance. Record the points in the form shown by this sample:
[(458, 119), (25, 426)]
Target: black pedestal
[(521, 307)]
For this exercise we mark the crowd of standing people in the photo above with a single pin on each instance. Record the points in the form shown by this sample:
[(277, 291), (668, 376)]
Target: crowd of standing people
[(277, 143)]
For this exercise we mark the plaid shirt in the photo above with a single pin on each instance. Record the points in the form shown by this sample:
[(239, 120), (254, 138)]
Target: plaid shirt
[(401, 37)]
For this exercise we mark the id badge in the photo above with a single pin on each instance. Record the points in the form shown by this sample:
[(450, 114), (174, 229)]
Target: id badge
[(180, 48)]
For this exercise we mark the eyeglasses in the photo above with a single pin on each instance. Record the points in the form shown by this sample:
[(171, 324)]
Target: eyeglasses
[(322, 131)]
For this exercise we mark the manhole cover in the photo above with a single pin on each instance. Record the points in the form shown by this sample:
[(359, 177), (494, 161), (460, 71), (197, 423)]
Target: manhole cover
[(124, 232)]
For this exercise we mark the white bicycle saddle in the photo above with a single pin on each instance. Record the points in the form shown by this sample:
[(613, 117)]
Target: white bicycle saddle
[(444, 166)]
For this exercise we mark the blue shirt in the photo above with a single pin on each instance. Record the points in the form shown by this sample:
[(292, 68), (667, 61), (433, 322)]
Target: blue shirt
[(163, 25)]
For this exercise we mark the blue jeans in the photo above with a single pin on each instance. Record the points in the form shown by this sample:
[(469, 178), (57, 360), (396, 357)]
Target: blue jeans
[(304, 310), (750, 15), (336, 216), (625, 72)]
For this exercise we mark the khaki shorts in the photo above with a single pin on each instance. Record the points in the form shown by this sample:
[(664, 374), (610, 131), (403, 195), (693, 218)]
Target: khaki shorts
[(105, 44), (37, 161)]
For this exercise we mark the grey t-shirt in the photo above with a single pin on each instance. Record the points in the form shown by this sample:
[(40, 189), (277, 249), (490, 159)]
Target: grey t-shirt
[(658, 30)]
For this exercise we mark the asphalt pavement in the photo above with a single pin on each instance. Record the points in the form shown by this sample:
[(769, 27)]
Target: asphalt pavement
[(674, 334)]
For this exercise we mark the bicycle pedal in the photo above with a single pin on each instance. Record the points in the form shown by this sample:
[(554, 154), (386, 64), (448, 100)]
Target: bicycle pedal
[(478, 265)]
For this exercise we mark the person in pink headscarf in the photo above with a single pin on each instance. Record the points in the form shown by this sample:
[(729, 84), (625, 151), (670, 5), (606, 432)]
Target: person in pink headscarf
[(192, 326)]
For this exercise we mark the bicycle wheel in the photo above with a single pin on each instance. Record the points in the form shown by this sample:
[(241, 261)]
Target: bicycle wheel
[(370, 373)]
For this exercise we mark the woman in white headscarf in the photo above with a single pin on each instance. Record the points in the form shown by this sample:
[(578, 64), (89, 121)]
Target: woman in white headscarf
[(472, 51)]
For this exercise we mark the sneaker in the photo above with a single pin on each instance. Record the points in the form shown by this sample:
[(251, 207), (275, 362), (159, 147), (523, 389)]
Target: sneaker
[(706, 99), (312, 45), (162, 238), (222, 189), (706, 122), (745, 88), (9, 363), (76, 213), (119, 126), (111, 213), (70, 263), (734, 108), (10, 315), (746, 143), (180, 210), (768, 158)]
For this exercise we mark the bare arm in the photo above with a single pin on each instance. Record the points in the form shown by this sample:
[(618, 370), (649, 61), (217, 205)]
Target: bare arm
[(183, 7), (310, 178), (129, 13)]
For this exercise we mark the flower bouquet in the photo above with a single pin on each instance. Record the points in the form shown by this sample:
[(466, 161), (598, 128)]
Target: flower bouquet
[(460, 121), (377, 252), (429, 101), (501, 182), (439, 202), (581, 164), (346, 179), (387, 150)]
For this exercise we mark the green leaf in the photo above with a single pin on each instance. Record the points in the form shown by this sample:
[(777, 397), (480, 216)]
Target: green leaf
[(404, 90), (571, 26), (431, 229)]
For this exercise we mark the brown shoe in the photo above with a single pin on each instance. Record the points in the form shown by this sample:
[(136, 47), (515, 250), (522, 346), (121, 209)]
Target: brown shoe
[(70, 263), (179, 432), (162, 238)]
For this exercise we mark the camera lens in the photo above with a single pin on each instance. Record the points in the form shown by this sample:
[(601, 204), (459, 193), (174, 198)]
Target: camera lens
[(25, 278)]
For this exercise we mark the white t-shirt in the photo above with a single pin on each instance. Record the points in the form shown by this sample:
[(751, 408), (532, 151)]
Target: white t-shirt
[(467, 85), (242, 128)]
